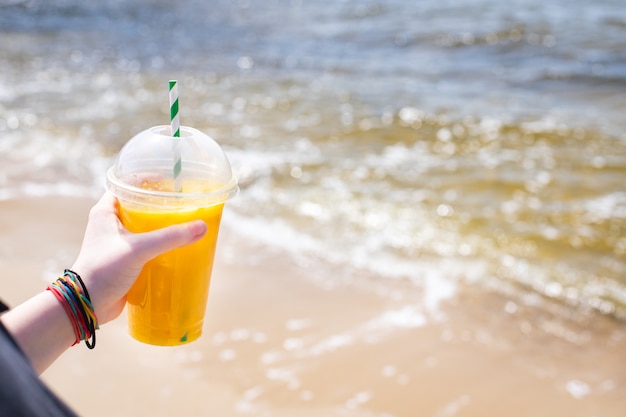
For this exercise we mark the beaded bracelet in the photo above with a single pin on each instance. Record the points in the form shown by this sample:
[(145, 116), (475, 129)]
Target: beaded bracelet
[(72, 293)]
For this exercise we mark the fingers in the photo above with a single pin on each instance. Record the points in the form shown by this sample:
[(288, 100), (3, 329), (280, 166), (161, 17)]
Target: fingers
[(106, 205), (151, 244)]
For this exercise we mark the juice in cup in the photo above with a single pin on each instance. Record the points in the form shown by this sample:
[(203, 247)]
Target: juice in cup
[(167, 303)]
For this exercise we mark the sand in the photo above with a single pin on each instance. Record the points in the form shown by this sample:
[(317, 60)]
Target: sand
[(297, 337)]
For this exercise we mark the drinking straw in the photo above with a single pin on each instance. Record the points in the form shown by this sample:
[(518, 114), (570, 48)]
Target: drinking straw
[(175, 123)]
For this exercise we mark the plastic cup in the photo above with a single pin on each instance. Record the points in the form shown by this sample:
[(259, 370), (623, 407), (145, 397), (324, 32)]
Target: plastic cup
[(167, 303)]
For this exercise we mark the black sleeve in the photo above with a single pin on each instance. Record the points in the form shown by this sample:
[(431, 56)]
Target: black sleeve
[(22, 393)]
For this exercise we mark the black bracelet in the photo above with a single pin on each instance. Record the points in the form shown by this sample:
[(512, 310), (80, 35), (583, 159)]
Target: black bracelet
[(92, 326)]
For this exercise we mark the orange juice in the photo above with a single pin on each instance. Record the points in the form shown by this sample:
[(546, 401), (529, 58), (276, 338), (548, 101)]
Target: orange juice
[(166, 305)]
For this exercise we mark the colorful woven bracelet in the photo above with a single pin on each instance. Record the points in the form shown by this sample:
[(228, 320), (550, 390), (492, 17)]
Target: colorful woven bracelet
[(71, 292)]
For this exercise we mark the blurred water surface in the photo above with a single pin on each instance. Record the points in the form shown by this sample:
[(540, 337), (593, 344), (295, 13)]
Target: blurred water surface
[(448, 142)]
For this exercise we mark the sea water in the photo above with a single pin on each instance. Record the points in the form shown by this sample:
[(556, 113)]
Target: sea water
[(436, 143)]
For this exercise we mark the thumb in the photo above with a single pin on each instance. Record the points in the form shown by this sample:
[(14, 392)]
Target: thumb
[(150, 244)]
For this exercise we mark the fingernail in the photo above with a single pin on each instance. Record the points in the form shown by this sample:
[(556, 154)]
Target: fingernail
[(198, 228)]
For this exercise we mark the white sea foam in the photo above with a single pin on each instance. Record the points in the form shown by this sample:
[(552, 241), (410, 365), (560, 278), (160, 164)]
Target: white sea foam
[(612, 205), (406, 317), (42, 189)]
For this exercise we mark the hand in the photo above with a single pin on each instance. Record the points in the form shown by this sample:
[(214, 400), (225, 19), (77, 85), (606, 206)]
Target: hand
[(111, 257)]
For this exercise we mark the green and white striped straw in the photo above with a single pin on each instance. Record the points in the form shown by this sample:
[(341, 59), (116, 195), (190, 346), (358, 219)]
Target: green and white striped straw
[(175, 123)]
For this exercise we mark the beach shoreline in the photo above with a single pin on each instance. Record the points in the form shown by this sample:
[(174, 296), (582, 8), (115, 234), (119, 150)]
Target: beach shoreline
[(279, 341)]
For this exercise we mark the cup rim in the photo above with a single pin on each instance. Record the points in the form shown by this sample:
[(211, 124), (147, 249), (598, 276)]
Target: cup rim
[(120, 189)]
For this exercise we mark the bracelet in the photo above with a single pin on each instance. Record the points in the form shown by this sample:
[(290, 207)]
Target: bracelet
[(71, 292)]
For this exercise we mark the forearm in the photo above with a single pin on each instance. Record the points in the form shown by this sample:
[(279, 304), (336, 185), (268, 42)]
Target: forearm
[(42, 329)]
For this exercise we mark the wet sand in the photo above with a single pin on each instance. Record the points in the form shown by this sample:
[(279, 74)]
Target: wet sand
[(296, 337)]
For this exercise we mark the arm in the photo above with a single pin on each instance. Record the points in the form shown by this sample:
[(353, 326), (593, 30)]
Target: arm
[(109, 261)]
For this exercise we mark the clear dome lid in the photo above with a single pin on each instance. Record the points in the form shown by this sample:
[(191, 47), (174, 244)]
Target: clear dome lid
[(144, 168)]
